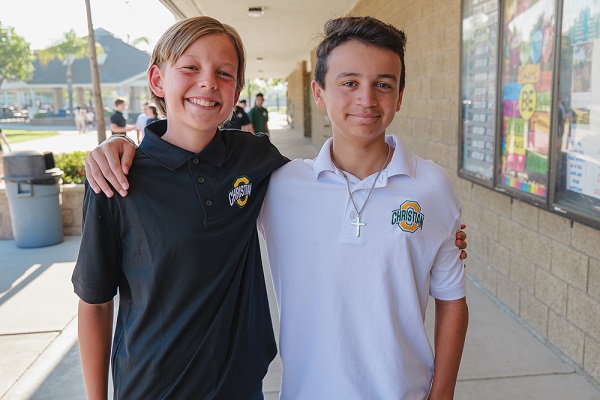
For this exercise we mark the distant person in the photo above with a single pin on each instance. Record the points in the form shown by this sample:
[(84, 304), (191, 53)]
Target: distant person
[(118, 123), (563, 119), (153, 113), (259, 116), (89, 119), (239, 120), (79, 117), (242, 103), (141, 122), (4, 139)]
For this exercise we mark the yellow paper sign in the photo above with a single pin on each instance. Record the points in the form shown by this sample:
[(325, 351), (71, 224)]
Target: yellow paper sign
[(527, 101)]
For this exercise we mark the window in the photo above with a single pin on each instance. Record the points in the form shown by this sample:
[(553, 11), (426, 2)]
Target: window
[(478, 88), (540, 63), (527, 74), (577, 137)]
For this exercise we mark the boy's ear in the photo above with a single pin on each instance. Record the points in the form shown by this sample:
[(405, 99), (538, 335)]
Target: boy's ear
[(399, 100), (237, 97), (318, 94), (155, 81)]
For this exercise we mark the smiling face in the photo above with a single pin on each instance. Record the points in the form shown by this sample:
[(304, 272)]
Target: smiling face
[(199, 88), (363, 91)]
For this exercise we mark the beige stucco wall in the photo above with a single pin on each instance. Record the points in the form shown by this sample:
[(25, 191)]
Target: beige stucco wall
[(71, 205), (296, 97), (543, 267)]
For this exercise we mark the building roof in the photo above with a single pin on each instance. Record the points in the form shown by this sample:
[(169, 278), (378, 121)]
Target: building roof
[(120, 62)]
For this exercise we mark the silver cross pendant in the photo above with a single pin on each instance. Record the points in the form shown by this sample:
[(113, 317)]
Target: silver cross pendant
[(358, 224)]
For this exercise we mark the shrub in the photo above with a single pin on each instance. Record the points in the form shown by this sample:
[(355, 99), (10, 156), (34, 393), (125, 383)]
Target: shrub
[(73, 165)]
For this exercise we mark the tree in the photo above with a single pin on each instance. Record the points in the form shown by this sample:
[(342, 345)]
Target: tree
[(137, 41), (259, 85), (16, 57), (69, 49), (100, 121)]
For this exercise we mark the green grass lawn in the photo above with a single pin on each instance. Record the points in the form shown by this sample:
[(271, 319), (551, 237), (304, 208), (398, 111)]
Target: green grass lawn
[(20, 135)]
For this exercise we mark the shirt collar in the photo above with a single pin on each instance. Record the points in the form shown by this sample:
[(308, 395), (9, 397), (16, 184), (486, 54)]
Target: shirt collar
[(173, 157), (403, 162)]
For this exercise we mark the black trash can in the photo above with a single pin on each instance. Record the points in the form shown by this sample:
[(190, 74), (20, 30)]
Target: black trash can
[(34, 198)]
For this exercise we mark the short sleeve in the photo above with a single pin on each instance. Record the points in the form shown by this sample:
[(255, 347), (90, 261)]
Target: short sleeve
[(448, 277), (96, 275), (245, 118)]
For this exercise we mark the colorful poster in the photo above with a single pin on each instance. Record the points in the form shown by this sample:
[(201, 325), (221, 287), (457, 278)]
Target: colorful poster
[(527, 94), (478, 87)]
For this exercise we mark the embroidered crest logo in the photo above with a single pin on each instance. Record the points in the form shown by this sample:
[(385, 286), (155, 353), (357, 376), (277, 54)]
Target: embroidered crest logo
[(409, 216), (241, 191)]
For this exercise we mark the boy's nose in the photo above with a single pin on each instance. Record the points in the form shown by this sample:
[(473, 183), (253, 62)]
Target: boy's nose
[(367, 98), (208, 81)]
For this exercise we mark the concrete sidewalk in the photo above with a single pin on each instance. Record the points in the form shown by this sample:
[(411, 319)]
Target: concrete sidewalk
[(40, 359)]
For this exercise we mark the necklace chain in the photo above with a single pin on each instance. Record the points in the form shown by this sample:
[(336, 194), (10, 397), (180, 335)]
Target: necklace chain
[(358, 224)]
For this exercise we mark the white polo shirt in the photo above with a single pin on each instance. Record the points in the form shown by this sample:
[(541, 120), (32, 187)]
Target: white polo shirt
[(352, 308)]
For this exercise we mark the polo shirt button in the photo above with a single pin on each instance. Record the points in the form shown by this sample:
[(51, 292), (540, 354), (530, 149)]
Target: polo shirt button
[(195, 161), (201, 180), (208, 203)]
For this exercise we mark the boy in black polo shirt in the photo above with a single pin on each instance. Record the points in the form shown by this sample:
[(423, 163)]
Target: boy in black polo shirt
[(118, 123), (182, 249)]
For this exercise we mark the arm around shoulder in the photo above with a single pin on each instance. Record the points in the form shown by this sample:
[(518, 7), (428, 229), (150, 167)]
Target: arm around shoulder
[(110, 162)]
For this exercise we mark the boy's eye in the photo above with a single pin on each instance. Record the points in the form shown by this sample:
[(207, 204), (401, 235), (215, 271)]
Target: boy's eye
[(384, 85), (349, 84), (190, 67), (227, 74)]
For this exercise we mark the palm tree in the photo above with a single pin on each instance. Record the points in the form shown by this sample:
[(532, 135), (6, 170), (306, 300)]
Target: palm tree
[(100, 121), (69, 49), (135, 42)]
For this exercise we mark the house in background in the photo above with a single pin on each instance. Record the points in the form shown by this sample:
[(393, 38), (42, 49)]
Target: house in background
[(122, 73)]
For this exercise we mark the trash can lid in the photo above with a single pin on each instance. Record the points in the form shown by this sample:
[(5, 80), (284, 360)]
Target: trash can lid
[(49, 173), (28, 165)]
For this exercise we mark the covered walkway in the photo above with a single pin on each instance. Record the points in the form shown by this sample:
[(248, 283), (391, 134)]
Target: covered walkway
[(38, 329)]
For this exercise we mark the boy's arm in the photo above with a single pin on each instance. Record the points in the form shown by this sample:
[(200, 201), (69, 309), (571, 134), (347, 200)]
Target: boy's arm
[(451, 320), (95, 336), (110, 162)]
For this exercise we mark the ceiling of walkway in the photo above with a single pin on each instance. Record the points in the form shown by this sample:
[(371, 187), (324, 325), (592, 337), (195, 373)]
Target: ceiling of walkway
[(277, 40)]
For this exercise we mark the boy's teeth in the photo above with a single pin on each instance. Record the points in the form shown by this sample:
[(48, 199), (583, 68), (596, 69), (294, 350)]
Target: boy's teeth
[(203, 103)]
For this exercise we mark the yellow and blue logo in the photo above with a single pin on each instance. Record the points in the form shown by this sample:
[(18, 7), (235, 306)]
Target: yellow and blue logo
[(409, 216), (241, 191)]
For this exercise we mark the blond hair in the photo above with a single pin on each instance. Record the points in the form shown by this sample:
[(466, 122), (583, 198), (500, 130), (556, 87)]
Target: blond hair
[(175, 41)]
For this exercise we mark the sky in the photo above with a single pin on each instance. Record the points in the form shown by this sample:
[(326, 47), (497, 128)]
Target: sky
[(43, 22)]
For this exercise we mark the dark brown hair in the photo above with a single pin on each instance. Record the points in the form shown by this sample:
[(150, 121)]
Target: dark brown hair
[(367, 30)]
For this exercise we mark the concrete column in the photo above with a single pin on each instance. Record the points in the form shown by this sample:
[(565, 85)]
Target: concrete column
[(134, 96), (58, 102), (79, 97)]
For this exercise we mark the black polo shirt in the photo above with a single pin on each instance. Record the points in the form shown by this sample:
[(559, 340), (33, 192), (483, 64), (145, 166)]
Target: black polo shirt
[(182, 248), (118, 119), (238, 119)]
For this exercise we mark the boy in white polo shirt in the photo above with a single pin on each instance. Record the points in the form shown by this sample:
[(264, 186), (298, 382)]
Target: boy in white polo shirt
[(360, 237)]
